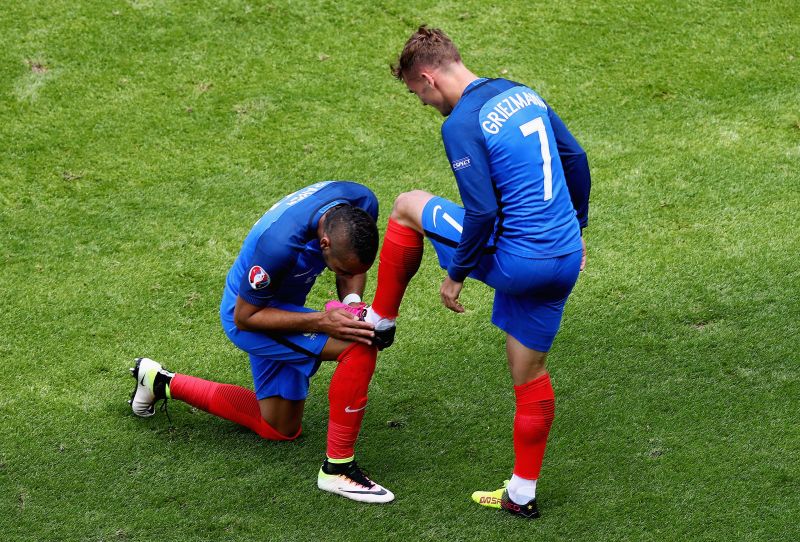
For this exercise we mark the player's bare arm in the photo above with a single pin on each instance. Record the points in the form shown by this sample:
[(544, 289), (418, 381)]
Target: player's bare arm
[(350, 284), (339, 324), (583, 255)]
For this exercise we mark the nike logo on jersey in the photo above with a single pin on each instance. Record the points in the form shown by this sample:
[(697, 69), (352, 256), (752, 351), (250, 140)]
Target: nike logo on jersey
[(447, 218), (351, 410), (437, 208)]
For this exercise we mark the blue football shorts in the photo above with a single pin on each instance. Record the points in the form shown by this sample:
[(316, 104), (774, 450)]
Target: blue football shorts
[(281, 363), (530, 293)]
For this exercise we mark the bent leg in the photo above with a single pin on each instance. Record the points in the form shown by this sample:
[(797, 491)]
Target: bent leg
[(284, 415), (401, 253), (236, 404), (281, 365), (273, 417)]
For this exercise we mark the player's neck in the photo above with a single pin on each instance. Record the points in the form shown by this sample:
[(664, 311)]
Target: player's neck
[(321, 226), (459, 78)]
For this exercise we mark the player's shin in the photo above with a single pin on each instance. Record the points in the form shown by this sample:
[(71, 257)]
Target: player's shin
[(233, 403), (400, 259), (532, 420), (347, 396)]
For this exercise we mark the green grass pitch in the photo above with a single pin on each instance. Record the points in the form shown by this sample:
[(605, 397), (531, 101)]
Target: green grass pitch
[(140, 140)]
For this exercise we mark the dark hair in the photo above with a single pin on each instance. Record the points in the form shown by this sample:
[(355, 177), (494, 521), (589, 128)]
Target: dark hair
[(358, 226), (426, 47)]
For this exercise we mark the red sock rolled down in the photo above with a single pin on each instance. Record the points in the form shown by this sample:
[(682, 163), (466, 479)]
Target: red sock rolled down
[(233, 403), (400, 257), (347, 397), (532, 421)]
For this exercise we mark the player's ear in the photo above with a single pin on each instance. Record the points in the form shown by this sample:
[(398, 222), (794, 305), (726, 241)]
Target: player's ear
[(324, 242)]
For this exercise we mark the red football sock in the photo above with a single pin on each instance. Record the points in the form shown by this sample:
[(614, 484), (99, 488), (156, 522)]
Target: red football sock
[(400, 257), (535, 411), (347, 396), (233, 403)]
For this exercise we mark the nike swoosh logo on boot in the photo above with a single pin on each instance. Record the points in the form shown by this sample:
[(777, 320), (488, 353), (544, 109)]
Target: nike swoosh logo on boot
[(381, 492)]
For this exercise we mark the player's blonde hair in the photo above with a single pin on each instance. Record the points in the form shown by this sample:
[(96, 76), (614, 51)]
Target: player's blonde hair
[(426, 47)]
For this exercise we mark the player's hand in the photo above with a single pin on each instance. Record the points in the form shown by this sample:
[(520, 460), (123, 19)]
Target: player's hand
[(583, 258), (450, 291), (340, 324)]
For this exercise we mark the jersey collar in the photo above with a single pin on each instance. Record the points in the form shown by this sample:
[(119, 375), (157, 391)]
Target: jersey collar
[(322, 210), (469, 88), (477, 82)]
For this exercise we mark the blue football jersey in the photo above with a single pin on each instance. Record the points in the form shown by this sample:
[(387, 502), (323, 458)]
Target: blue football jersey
[(505, 147), (280, 258)]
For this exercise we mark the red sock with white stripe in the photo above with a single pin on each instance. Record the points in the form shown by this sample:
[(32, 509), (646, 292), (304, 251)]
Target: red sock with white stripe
[(400, 257), (347, 397), (532, 421), (233, 403)]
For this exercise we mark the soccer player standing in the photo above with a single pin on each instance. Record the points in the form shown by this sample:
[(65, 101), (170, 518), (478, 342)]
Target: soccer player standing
[(524, 182), (328, 224)]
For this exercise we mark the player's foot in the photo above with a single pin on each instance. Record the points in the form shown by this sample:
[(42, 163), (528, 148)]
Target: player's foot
[(499, 499), (348, 480), (151, 386), (384, 328)]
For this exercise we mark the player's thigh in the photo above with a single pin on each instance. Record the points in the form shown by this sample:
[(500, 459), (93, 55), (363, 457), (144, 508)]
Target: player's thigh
[(334, 348), (281, 363), (289, 380), (533, 315), (442, 224), (547, 279), (532, 322)]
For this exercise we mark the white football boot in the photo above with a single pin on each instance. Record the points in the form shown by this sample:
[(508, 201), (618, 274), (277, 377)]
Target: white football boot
[(348, 480), (147, 391)]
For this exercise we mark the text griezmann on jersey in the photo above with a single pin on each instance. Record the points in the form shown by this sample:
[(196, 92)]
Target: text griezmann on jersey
[(506, 107)]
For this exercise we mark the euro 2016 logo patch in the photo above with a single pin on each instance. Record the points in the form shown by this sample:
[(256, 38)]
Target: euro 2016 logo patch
[(258, 278), (461, 163)]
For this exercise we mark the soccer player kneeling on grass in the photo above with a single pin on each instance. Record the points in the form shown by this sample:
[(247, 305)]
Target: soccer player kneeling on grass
[(328, 224), (524, 182)]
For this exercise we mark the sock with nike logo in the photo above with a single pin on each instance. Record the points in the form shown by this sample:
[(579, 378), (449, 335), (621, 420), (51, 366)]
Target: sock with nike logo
[(347, 397)]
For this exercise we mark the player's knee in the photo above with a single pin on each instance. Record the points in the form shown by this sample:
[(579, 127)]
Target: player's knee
[(292, 434), (407, 208), (524, 372), (283, 430)]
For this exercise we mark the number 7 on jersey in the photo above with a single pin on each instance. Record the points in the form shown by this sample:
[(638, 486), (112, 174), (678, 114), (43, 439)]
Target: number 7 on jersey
[(537, 125)]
